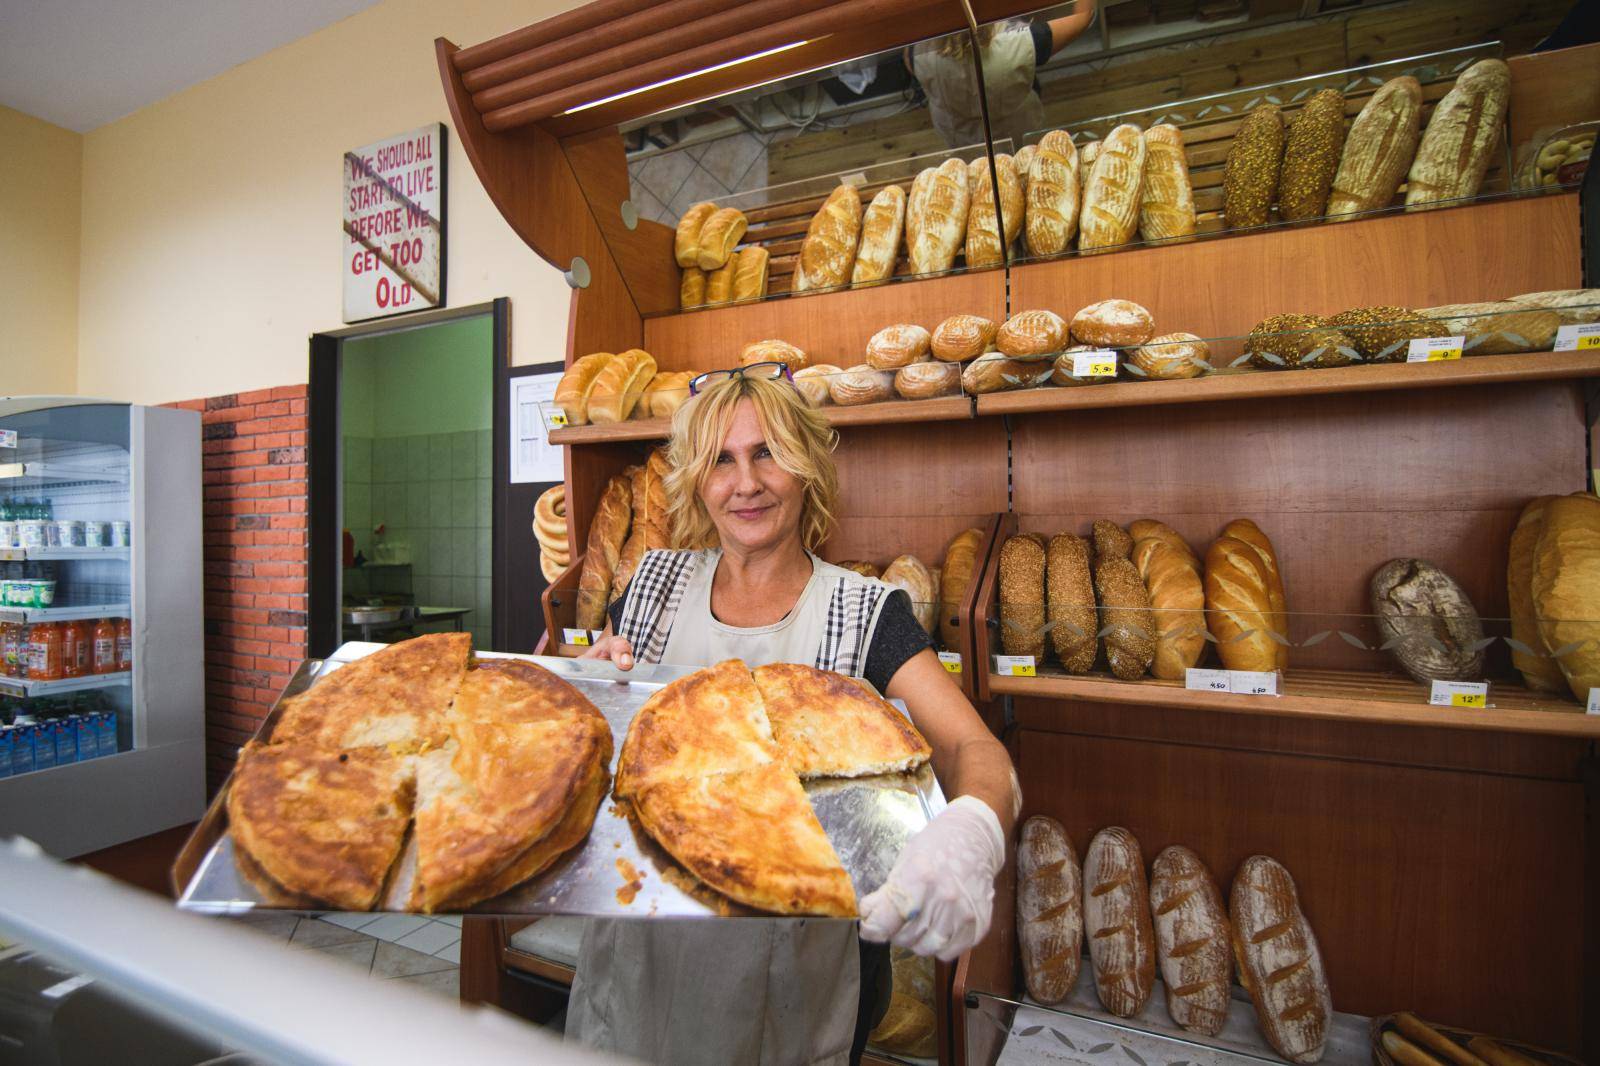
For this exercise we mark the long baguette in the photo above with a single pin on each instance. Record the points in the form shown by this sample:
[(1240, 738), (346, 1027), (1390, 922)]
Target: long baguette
[(1424, 1035), (1405, 1052)]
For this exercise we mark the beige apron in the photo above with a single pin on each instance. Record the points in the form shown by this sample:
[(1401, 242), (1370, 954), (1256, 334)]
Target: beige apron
[(952, 88), (758, 991)]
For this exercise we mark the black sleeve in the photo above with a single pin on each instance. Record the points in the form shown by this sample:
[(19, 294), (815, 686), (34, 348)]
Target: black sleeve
[(898, 637), (615, 611), (1043, 41)]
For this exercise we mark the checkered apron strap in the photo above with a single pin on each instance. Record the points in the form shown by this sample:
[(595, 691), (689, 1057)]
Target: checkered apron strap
[(652, 601), (852, 616)]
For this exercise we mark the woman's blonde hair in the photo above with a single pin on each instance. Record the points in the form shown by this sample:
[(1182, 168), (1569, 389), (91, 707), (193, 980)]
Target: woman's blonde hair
[(799, 437)]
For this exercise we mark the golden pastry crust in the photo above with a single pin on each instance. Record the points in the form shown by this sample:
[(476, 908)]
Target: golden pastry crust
[(706, 723), (752, 836), (829, 725), (321, 823)]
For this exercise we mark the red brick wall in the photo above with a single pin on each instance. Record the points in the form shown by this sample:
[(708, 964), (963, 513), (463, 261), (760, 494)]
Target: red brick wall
[(256, 559)]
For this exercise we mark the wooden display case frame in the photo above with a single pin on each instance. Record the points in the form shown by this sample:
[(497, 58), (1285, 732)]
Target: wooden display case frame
[(1397, 860)]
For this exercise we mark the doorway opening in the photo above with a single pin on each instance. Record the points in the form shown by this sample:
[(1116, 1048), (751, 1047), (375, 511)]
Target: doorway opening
[(408, 469)]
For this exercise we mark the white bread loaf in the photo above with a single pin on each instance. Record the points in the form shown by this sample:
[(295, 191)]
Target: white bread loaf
[(881, 228), (1461, 137), (1379, 149), (1166, 205), (1112, 192)]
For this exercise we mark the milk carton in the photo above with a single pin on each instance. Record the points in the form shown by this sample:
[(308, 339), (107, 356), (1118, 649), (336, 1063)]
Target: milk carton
[(86, 735), (106, 733), (8, 744), (22, 759), (66, 737)]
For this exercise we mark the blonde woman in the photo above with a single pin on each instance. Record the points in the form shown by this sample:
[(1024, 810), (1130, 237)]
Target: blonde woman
[(752, 495)]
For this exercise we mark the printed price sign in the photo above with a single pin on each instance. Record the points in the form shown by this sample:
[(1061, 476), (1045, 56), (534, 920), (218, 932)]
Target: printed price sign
[(580, 637), (1578, 338), (1101, 363), (1434, 349), (1594, 702), (1236, 682), (8, 438), (951, 661), (554, 417), (1014, 665), (1459, 694)]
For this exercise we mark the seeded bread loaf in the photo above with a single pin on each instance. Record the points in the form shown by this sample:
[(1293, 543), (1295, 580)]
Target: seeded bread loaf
[(1311, 156), (1070, 603), (1250, 175), (1383, 334), (1022, 616), (1283, 342)]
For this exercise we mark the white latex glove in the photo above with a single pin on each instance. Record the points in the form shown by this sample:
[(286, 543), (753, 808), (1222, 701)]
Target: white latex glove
[(940, 895)]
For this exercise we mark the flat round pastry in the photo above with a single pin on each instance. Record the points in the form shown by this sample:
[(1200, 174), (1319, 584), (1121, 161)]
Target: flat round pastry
[(709, 722), (829, 725), (323, 824)]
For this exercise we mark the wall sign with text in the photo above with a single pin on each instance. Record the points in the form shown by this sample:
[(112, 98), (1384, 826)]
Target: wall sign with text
[(394, 225)]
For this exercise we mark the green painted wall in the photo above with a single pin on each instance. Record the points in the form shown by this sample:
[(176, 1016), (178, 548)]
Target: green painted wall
[(438, 379)]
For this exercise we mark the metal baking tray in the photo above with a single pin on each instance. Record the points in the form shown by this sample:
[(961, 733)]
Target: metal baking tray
[(618, 870)]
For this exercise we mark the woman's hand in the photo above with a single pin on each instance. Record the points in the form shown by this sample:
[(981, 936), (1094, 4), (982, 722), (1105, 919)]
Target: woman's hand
[(940, 894), (613, 649)]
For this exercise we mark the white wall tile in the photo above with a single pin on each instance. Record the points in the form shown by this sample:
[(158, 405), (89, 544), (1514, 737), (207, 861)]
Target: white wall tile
[(463, 454), (417, 504), (462, 590), (464, 555), (416, 458), (439, 457), (484, 510), (483, 550), (485, 443), (463, 501), (438, 504)]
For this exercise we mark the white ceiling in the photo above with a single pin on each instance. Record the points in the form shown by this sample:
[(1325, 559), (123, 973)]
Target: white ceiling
[(83, 63)]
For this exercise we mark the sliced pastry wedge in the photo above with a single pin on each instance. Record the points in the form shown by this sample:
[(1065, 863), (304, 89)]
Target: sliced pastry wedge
[(829, 725)]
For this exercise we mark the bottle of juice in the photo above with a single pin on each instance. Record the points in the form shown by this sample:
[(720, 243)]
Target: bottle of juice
[(11, 649), (105, 646), (44, 651), (124, 644), (71, 633), (85, 648)]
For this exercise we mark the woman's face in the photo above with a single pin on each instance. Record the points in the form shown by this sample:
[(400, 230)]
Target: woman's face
[(754, 503)]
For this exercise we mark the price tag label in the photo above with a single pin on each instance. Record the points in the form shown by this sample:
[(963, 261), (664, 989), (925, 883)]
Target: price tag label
[(951, 661), (1578, 338), (1594, 702), (580, 637), (554, 417), (1014, 665), (1473, 694), (8, 438), (1236, 682), (1434, 349), (1101, 363)]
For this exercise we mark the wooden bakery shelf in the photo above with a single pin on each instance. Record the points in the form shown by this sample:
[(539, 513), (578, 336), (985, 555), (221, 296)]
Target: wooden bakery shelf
[(1346, 695), (1256, 384), (945, 409)]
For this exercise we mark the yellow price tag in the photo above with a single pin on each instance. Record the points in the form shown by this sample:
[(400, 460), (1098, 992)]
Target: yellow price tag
[(1022, 670), (1588, 341), (1014, 665), (1467, 699), (951, 662), (558, 419), (1440, 354), (579, 637)]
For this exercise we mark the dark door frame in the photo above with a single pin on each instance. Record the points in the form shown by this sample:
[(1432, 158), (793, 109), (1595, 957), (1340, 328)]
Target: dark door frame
[(324, 631)]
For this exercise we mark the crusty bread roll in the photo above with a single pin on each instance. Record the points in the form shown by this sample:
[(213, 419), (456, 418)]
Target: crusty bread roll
[(861, 384), (907, 572), (613, 517), (881, 228), (1051, 195), (1111, 541), (1311, 156), (977, 171), (962, 337), (1088, 152), (1178, 603), (1279, 963), (1166, 205), (1242, 529), (924, 381), (1063, 369), (1238, 607), (860, 566), (719, 283), (994, 372), (828, 253), (1566, 587), (1143, 528), (893, 347), (1049, 909), (1023, 161), (1116, 919), (1031, 335), (1576, 307), (1461, 137), (750, 274), (1193, 944), (1113, 324), (1539, 671), (989, 235), (1250, 175), (1022, 621), (686, 242), (1427, 622), (941, 217), (665, 393), (815, 381), (719, 236), (1111, 194), (692, 287), (1125, 617), (1378, 150), (772, 351), (1069, 603), (618, 385), (1495, 328), (915, 199), (954, 577), (572, 391), (1170, 356)]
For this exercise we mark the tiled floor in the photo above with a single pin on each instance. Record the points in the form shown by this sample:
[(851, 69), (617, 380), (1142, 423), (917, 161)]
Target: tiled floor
[(394, 947)]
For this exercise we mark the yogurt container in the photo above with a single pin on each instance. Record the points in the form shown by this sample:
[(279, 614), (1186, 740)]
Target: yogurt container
[(96, 534), (8, 534), (121, 535), (31, 533), (43, 593), (69, 532)]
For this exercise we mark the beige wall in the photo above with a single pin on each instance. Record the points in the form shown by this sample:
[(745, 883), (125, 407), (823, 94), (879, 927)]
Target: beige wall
[(41, 173), (211, 220)]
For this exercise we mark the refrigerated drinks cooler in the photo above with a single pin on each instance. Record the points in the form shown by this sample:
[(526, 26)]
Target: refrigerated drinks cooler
[(102, 717)]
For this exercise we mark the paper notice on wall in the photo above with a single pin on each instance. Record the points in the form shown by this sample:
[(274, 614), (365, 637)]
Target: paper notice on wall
[(394, 225), (533, 457)]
